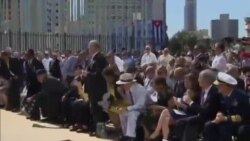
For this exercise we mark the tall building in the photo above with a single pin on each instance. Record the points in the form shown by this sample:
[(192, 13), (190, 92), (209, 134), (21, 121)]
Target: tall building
[(224, 27), (247, 26), (32, 15), (125, 18), (10, 15), (190, 15), (43, 16), (75, 16)]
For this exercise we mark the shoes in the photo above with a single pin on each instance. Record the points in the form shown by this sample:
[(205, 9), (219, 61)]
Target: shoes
[(130, 139), (2, 106), (123, 138), (66, 126), (73, 128), (92, 134), (33, 118), (82, 129), (15, 110)]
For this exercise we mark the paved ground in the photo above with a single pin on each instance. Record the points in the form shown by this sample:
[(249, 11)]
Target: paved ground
[(14, 127)]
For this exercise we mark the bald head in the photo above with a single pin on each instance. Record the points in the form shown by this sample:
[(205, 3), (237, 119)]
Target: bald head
[(94, 47)]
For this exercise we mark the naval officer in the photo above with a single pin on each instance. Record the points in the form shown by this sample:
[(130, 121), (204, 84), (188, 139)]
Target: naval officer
[(234, 110)]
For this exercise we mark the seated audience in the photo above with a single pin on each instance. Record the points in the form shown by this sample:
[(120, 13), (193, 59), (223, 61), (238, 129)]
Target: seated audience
[(135, 94), (149, 78), (112, 99), (179, 87), (162, 99), (234, 111), (234, 71), (189, 128), (48, 99), (170, 114)]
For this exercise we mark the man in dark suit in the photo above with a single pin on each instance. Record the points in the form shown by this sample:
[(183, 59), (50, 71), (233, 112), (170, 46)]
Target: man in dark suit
[(95, 84), (33, 86), (4, 70), (49, 98), (234, 112), (31, 66), (55, 69), (179, 88), (201, 60), (207, 109), (15, 70)]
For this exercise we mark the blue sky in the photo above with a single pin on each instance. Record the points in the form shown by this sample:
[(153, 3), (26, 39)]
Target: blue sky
[(206, 11)]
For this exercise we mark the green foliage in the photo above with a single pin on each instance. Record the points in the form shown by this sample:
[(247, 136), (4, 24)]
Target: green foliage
[(184, 40)]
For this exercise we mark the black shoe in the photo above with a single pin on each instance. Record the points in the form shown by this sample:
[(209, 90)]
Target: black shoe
[(122, 138), (130, 139), (92, 134), (15, 110), (2, 106)]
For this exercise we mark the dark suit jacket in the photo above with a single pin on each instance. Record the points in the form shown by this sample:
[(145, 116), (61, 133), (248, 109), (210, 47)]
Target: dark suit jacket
[(209, 109), (52, 91), (15, 67), (241, 84), (55, 69), (95, 84), (4, 71), (33, 86), (179, 89), (200, 61), (238, 103)]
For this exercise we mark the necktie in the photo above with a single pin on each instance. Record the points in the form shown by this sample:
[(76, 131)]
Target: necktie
[(148, 83), (203, 97), (131, 98)]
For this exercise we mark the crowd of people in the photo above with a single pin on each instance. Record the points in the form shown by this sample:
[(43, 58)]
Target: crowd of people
[(202, 94)]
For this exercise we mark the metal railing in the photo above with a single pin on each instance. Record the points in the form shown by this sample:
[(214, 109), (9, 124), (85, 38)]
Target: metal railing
[(42, 41)]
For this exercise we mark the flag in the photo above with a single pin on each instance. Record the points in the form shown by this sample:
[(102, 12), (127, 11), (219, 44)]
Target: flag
[(157, 29)]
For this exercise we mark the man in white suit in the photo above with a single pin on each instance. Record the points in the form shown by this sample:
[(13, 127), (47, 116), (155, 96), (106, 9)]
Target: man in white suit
[(136, 95)]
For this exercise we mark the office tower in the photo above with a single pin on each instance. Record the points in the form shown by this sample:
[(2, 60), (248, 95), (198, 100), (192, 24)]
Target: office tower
[(32, 15), (247, 26), (108, 16), (190, 15), (224, 27), (125, 18), (10, 15)]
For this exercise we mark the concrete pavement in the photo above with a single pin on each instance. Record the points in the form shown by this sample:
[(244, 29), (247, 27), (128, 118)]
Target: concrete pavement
[(14, 127)]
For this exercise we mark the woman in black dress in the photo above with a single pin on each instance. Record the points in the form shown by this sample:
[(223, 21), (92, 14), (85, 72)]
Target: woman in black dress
[(163, 99), (168, 117)]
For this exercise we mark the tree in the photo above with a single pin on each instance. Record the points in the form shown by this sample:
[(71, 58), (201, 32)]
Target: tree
[(183, 41)]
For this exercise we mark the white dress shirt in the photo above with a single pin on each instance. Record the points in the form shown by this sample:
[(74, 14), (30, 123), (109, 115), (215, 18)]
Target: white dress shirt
[(148, 58), (46, 63), (220, 63), (120, 63), (165, 59), (206, 93)]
